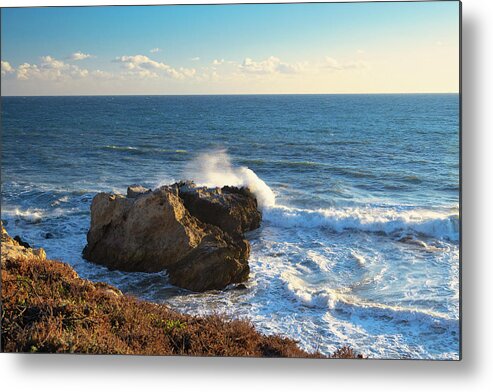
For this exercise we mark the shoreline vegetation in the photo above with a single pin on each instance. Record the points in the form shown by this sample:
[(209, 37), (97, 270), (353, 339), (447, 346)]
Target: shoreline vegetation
[(47, 307)]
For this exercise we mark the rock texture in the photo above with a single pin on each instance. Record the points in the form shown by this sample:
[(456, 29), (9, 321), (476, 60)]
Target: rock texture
[(194, 233), (232, 209), (134, 191), (15, 247)]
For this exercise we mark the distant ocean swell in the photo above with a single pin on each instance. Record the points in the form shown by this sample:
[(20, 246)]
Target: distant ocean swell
[(142, 150)]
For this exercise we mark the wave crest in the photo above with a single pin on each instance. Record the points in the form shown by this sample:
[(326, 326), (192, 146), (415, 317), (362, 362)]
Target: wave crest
[(442, 225)]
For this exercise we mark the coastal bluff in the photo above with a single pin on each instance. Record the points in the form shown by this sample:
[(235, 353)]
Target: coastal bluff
[(194, 233)]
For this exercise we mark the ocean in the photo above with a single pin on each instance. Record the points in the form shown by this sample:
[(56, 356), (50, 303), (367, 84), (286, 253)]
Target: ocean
[(359, 243)]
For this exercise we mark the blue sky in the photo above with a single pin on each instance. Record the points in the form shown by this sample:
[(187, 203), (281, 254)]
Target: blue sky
[(231, 48)]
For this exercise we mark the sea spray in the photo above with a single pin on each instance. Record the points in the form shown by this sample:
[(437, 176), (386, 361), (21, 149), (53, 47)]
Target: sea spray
[(215, 169)]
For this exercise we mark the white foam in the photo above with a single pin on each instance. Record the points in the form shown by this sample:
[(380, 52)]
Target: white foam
[(300, 291), (33, 215), (121, 148), (215, 169), (323, 297), (320, 260), (386, 220), (63, 199), (359, 258), (36, 215)]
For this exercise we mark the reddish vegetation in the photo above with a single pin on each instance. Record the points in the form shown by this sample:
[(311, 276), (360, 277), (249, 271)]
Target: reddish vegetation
[(48, 308)]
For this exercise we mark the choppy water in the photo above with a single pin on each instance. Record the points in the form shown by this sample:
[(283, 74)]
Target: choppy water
[(359, 247)]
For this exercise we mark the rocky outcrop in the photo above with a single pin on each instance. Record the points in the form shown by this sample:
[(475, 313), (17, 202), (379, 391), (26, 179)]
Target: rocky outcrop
[(15, 247), (134, 191), (232, 209), (196, 234)]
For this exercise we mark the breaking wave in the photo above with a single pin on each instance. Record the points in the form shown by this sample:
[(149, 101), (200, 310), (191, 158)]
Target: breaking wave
[(215, 169), (32, 215), (442, 225)]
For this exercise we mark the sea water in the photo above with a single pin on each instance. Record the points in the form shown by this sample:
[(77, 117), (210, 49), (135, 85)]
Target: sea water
[(359, 243)]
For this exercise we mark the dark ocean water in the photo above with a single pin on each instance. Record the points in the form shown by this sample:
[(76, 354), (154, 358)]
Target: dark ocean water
[(360, 245)]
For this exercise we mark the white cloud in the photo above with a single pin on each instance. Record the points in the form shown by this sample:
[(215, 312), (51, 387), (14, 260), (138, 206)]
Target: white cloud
[(195, 58), (26, 70), (188, 72), (80, 56), (144, 67), (218, 62), (7, 68), (155, 50), (49, 62), (79, 73), (50, 68), (335, 65), (98, 74), (269, 66)]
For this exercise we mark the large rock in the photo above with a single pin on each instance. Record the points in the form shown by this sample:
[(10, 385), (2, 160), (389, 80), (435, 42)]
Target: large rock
[(232, 209), (167, 229), (148, 233)]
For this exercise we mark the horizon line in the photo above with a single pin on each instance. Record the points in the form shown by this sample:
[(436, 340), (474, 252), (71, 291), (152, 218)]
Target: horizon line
[(227, 94)]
